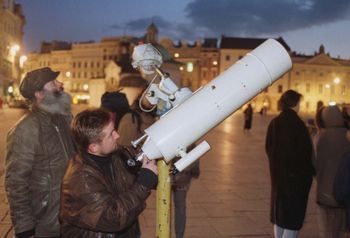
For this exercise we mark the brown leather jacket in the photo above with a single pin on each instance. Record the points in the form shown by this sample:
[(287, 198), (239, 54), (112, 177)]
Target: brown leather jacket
[(38, 149), (95, 205)]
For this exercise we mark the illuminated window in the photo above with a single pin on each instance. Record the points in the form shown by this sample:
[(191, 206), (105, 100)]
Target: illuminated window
[(343, 88), (189, 67), (307, 87), (320, 88)]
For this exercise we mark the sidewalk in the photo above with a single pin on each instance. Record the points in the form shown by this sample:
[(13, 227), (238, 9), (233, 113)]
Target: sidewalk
[(232, 195)]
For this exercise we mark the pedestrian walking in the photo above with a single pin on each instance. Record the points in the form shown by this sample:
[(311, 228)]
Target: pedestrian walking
[(330, 145), (289, 150), (38, 149), (100, 198), (248, 117)]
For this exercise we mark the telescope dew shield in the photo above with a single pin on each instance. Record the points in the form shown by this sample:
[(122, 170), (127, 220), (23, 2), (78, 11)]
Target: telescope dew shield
[(210, 105)]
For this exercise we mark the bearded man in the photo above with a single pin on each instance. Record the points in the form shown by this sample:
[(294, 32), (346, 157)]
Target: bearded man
[(38, 149)]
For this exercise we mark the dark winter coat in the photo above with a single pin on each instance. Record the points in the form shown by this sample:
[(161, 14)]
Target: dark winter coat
[(289, 150), (38, 150), (96, 205), (342, 186)]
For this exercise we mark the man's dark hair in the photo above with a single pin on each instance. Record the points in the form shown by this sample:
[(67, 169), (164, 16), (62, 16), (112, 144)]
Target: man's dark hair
[(289, 99), (87, 127)]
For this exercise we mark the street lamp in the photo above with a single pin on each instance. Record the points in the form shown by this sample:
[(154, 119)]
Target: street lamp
[(22, 60), (14, 49)]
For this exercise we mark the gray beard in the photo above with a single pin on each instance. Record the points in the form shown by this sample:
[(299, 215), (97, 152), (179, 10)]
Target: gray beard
[(56, 102)]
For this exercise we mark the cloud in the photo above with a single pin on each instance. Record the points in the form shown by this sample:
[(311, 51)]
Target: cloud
[(254, 17)]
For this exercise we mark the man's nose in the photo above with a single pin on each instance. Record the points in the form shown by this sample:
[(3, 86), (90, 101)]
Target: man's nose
[(59, 85)]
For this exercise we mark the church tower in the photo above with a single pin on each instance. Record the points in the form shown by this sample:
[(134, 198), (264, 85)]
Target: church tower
[(152, 34)]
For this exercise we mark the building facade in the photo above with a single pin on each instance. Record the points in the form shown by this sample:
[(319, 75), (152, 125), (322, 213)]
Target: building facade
[(11, 34), (319, 77)]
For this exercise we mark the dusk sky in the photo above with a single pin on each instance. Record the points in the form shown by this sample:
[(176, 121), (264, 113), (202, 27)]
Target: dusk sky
[(304, 24)]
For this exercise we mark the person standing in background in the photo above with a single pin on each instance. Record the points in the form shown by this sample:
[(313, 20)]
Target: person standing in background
[(289, 150), (248, 117), (330, 145)]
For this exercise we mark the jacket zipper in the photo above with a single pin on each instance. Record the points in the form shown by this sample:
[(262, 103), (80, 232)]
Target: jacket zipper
[(62, 143)]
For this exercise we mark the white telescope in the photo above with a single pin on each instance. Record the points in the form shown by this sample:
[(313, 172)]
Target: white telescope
[(207, 107)]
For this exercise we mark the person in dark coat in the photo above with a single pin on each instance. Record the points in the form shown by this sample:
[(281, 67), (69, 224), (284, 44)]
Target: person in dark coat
[(289, 150), (248, 117), (128, 122), (342, 187), (100, 198)]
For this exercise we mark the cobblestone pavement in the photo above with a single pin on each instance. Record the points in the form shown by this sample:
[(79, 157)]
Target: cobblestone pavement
[(231, 196)]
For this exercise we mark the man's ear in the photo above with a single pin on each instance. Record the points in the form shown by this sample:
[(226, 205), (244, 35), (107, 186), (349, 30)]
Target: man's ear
[(39, 95), (93, 148)]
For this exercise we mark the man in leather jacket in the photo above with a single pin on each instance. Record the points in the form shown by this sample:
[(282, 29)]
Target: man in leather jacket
[(38, 149), (100, 198)]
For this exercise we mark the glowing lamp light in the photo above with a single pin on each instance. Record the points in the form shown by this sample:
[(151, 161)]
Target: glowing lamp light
[(332, 103), (14, 49), (10, 89), (336, 80), (68, 74), (327, 85), (176, 55), (22, 60), (189, 67), (86, 87)]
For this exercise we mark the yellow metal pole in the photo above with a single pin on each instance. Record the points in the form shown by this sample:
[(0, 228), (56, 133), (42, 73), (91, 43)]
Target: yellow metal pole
[(163, 200)]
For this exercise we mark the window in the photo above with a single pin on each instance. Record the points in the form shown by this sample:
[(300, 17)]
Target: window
[(297, 86), (343, 88), (227, 57), (204, 73), (189, 67), (280, 88), (320, 88), (307, 87)]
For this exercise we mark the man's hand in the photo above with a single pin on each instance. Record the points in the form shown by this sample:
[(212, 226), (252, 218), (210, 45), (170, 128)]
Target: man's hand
[(149, 164)]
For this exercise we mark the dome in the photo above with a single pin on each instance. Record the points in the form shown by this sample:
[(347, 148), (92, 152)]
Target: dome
[(132, 80)]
